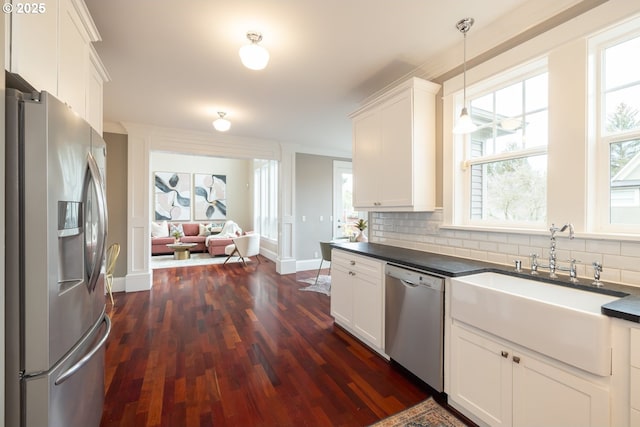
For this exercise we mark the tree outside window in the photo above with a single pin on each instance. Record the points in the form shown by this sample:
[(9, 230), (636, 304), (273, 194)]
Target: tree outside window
[(507, 155), (621, 89)]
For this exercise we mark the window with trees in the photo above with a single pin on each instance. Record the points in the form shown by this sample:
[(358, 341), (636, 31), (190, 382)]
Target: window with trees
[(618, 129), (506, 158)]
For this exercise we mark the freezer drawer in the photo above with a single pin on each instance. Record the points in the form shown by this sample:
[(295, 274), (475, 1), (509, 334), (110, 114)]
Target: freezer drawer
[(66, 396)]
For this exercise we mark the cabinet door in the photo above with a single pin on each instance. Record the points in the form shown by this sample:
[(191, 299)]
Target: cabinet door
[(481, 376), (367, 308), (34, 47), (396, 153), (95, 85), (544, 395), (341, 295), (366, 155), (74, 59)]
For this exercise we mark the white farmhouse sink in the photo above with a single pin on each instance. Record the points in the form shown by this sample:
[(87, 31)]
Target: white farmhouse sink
[(560, 322)]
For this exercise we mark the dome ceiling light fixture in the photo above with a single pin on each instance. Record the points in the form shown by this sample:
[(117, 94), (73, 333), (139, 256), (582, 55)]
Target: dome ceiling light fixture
[(252, 55), (221, 124), (464, 125)]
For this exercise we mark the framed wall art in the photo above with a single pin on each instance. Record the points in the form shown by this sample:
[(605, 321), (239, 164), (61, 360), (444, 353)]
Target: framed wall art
[(210, 196), (172, 196)]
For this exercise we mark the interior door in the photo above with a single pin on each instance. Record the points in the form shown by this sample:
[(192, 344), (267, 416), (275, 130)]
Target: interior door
[(344, 215)]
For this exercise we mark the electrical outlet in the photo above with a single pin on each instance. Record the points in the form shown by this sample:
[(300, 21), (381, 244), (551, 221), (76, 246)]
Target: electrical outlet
[(315, 254), (321, 218), (304, 218)]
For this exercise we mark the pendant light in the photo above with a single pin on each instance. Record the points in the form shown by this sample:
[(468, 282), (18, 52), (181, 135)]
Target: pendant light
[(252, 55), (221, 124), (464, 125)]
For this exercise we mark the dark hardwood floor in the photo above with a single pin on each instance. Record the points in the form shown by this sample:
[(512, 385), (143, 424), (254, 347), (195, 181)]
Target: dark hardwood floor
[(241, 346)]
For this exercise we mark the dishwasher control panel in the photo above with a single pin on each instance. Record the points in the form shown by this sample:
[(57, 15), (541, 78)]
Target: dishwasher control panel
[(415, 277)]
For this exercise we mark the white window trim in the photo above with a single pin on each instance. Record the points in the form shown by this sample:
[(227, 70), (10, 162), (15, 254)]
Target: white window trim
[(600, 141), (265, 210)]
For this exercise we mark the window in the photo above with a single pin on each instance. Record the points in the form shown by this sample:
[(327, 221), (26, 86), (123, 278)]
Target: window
[(265, 198), (506, 158), (617, 151)]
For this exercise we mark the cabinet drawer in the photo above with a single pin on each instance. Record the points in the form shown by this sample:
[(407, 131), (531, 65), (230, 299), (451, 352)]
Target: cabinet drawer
[(634, 388), (634, 350), (360, 264)]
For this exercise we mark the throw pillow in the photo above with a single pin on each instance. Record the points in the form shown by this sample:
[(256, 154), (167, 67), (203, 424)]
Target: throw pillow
[(159, 229), (214, 229), (203, 230), (176, 228)]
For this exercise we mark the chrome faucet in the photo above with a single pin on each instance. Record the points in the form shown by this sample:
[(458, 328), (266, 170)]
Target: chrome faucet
[(597, 269), (553, 263), (552, 251)]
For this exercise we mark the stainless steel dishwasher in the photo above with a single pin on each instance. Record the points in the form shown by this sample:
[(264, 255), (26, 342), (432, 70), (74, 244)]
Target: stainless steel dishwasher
[(414, 319)]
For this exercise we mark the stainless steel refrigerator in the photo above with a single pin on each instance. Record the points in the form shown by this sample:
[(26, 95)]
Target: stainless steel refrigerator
[(56, 225)]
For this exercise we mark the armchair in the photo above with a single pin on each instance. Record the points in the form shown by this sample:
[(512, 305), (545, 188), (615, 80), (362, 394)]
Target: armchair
[(247, 246)]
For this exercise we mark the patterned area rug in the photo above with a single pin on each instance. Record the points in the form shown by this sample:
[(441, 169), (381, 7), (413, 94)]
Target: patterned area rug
[(323, 286), (425, 414)]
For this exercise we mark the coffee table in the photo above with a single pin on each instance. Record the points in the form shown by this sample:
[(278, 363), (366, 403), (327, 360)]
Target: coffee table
[(181, 250)]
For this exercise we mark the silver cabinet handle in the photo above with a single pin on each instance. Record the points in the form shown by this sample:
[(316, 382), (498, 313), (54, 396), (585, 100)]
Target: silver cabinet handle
[(516, 359), (504, 354)]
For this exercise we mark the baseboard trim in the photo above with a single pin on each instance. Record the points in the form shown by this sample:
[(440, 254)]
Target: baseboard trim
[(311, 264), (139, 282)]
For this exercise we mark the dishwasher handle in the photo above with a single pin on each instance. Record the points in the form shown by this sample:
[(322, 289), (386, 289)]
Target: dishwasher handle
[(408, 283)]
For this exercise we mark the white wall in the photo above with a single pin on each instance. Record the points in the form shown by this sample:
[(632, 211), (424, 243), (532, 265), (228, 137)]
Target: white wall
[(239, 180)]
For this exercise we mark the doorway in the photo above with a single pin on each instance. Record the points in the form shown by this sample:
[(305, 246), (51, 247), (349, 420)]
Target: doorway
[(344, 215)]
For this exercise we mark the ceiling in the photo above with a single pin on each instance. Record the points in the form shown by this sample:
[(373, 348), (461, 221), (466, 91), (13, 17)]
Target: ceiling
[(175, 63)]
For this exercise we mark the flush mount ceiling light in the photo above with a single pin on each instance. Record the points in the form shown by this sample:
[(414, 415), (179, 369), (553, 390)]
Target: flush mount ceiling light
[(252, 55), (221, 124), (464, 125)]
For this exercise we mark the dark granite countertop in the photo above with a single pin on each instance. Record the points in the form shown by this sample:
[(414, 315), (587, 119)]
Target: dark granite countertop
[(627, 307)]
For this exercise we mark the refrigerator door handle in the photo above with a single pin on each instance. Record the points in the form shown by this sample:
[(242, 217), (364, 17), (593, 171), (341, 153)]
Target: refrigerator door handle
[(94, 178), (80, 363)]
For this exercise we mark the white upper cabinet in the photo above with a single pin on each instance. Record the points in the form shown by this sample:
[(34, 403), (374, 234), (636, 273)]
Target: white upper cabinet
[(53, 51), (94, 99), (73, 64), (394, 149), (34, 47)]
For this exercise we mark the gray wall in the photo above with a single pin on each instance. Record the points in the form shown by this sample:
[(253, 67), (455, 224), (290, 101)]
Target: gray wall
[(314, 198), (117, 196)]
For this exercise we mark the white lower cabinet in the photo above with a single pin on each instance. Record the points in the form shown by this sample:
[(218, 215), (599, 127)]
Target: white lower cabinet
[(634, 377), (503, 385), (357, 296)]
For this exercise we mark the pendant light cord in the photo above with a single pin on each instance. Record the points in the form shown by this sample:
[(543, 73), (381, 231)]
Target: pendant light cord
[(464, 72)]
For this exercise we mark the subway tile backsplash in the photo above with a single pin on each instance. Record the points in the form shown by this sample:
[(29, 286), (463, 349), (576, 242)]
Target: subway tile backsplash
[(421, 231)]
